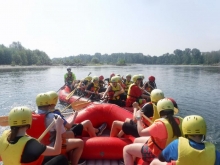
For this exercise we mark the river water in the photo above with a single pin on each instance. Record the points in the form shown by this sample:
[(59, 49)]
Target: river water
[(196, 89)]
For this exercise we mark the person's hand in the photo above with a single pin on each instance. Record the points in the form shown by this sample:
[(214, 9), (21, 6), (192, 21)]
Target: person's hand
[(139, 114), (135, 105), (115, 95)]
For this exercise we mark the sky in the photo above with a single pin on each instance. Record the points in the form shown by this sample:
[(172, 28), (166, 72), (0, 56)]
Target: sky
[(72, 27)]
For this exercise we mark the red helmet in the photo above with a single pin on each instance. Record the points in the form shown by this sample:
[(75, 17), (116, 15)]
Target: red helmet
[(151, 78), (112, 75), (101, 77)]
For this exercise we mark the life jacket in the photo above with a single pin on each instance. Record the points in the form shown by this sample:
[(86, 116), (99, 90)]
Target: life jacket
[(95, 88), (131, 94), (11, 153), (189, 155), (157, 145), (112, 92), (155, 114), (69, 77), (38, 127), (127, 85)]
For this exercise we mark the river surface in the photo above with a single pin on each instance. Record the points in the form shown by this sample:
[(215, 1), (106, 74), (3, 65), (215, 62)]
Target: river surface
[(196, 89)]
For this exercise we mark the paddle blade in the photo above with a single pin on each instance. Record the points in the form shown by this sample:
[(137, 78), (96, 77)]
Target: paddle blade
[(80, 106), (3, 121)]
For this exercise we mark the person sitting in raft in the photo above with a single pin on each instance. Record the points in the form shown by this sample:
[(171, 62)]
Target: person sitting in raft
[(93, 88), (109, 79), (142, 82), (19, 148), (71, 145), (192, 148), (127, 82), (129, 127), (69, 79), (150, 85), (77, 129), (155, 137), (83, 85), (113, 92), (135, 93), (101, 84)]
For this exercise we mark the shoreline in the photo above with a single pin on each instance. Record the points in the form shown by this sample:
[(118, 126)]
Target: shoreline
[(46, 66)]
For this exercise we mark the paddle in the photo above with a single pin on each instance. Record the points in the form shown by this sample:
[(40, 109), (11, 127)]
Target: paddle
[(78, 106), (71, 93), (46, 131), (71, 103), (149, 120), (50, 126), (3, 121)]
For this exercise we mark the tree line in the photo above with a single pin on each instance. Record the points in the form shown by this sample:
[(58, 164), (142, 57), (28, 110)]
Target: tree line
[(178, 57), (16, 54)]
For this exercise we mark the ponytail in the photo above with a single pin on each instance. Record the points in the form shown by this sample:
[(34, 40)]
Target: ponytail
[(13, 133), (175, 127)]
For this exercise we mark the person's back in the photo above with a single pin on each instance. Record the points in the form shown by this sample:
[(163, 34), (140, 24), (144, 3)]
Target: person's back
[(15, 143), (191, 149)]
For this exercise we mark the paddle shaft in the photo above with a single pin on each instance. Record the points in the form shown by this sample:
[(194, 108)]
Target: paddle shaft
[(46, 131), (71, 104), (149, 120)]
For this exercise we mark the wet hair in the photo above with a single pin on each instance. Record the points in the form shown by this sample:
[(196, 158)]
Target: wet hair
[(175, 127)]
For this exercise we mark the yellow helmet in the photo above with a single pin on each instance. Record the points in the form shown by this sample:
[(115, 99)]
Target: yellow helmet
[(53, 96), (95, 78), (114, 79), (164, 104), (119, 78), (156, 95), (128, 75), (141, 76), (136, 77), (43, 99), (88, 78), (194, 125), (19, 116)]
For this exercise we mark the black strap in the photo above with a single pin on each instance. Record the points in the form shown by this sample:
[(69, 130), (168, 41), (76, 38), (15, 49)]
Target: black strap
[(156, 144)]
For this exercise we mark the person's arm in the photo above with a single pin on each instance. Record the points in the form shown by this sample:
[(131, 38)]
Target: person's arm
[(74, 76), (170, 152), (135, 106), (120, 91), (88, 89), (65, 76), (58, 142), (141, 130), (69, 124), (106, 91)]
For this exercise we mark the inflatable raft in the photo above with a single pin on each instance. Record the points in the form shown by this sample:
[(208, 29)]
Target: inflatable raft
[(97, 150)]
